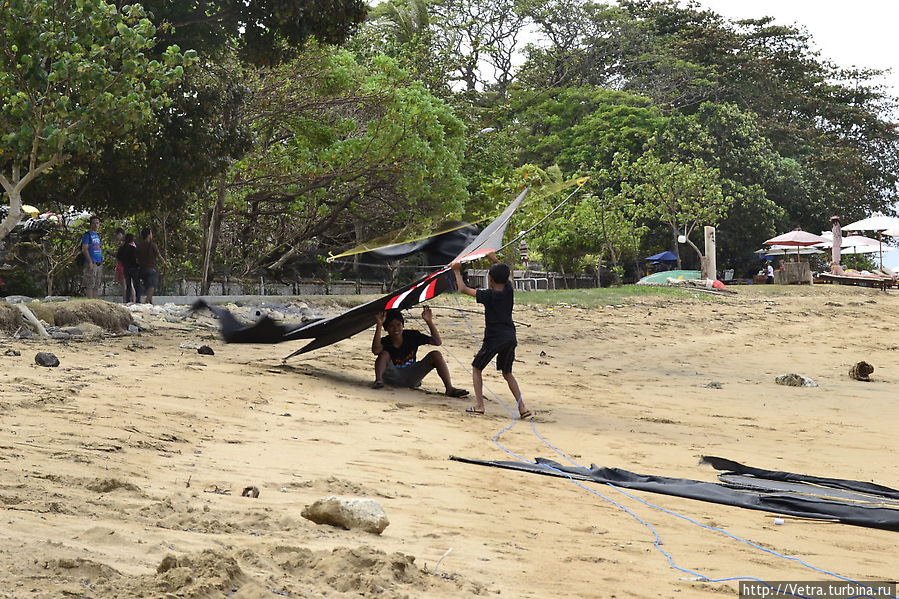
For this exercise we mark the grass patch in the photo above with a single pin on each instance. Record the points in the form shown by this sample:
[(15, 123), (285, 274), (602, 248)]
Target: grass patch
[(582, 298), (592, 298), (105, 315)]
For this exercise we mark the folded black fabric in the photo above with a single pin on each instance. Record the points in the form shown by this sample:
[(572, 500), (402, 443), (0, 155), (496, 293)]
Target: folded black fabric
[(779, 503)]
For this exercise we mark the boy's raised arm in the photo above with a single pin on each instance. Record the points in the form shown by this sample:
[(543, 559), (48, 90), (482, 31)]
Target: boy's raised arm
[(376, 347), (460, 284)]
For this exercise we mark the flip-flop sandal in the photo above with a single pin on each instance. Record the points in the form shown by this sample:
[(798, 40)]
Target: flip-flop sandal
[(474, 412), (377, 385), (526, 415), (456, 392)]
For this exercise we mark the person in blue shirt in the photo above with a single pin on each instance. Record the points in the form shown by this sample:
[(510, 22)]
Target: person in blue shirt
[(499, 331), (397, 362), (92, 271)]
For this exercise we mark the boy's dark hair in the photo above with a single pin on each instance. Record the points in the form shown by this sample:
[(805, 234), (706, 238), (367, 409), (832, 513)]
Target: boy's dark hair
[(394, 315), (145, 232), (129, 237), (499, 272), (120, 230)]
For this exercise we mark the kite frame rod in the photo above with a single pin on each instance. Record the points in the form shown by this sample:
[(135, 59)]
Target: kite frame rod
[(580, 185)]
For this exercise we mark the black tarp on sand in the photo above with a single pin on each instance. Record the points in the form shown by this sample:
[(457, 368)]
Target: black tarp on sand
[(801, 504)]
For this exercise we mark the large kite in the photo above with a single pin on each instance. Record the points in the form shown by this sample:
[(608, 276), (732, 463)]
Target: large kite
[(331, 330)]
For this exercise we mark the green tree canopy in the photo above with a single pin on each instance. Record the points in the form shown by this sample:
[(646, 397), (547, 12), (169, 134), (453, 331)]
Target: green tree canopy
[(344, 150), (581, 129), (681, 195), (72, 76)]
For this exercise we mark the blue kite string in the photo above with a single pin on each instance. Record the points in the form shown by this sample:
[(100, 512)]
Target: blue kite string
[(658, 540)]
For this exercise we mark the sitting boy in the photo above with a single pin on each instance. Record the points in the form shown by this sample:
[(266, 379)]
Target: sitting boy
[(396, 363)]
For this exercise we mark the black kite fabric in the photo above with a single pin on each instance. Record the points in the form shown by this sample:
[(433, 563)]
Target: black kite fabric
[(801, 504), (331, 330)]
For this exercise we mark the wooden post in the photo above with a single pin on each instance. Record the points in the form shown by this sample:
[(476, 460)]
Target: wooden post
[(710, 264)]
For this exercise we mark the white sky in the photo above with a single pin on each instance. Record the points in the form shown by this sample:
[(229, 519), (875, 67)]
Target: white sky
[(861, 32)]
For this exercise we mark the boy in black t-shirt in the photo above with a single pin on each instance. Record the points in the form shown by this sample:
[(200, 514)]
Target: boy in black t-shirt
[(499, 331), (396, 363)]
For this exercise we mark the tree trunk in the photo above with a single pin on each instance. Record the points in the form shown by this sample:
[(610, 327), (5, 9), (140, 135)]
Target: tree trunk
[(13, 188), (213, 230), (14, 215), (677, 249), (358, 232), (698, 253)]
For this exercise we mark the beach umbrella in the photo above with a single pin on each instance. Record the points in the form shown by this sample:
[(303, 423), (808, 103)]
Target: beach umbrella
[(851, 241), (666, 256), (879, 223), (783, 250), (797, 238), (861, 249), (891, 232), (30, 210), (852, 244)]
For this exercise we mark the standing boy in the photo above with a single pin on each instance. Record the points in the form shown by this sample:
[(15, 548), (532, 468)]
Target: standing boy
[(499, 331)]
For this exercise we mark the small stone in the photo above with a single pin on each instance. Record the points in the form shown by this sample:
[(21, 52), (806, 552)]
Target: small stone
[(12, 352), (205, 350), (795, 380), (349, 513), (714, 385), (46, 359)]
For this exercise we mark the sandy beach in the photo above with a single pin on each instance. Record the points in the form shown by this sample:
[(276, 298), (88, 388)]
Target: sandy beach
[(121, 470)]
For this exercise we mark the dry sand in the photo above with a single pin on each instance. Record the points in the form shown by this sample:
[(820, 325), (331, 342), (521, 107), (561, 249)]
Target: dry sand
[(121, 470)]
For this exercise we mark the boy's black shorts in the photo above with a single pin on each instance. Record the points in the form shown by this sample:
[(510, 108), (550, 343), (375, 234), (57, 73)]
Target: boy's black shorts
[(505, 355)]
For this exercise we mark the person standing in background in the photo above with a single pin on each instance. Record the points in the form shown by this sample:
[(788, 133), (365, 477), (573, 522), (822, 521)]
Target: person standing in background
[(127, 257), (147, 256), (92, 271)]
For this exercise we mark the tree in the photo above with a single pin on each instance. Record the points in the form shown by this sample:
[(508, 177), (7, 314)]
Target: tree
[(478, 34), (582, 128), (49, 249), (403, 31), (73, 75), (343, 150), (681, 195), (765, 186), (266, 32)]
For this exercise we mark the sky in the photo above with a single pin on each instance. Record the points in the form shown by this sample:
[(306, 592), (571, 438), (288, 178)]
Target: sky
[(860, 33)]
